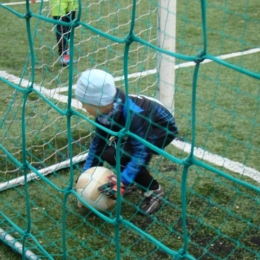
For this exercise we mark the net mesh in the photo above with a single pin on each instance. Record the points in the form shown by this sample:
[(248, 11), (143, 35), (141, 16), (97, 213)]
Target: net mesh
[(210, 173)]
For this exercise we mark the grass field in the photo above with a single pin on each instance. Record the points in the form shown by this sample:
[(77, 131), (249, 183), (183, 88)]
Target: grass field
[(222, 207)]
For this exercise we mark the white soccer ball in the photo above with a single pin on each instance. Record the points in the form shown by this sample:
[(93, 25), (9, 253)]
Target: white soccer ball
[(87, 188)]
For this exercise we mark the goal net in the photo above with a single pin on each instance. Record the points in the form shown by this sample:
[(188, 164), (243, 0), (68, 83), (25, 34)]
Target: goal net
[(201, 60)]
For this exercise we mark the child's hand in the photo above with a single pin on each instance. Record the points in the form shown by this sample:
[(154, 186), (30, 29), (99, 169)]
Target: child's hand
[(110, 188)]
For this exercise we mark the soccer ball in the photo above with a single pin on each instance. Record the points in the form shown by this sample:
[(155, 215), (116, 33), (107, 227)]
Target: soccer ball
[(87, 188)]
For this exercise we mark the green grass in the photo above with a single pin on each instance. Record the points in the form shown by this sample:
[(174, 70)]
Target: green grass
[(222, 216)]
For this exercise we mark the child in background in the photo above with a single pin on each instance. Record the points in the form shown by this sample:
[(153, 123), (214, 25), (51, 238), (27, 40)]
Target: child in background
[(63, 10), (149, 119)]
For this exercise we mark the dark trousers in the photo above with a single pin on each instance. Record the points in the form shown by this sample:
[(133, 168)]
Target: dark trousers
[(63, 32), (144, 179)]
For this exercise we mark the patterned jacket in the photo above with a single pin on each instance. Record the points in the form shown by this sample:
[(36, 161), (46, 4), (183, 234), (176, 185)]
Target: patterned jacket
[(149, 119)]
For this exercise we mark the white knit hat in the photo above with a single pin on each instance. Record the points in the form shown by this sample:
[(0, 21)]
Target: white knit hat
[(95, 87)]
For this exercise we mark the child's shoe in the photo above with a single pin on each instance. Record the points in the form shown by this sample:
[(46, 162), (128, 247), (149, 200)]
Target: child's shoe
[(152, 201), (129, 189), (64, 60)]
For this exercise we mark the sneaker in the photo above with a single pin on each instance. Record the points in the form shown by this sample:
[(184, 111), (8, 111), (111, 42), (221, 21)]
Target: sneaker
[(152, 201), (65, 60), (129, 189)]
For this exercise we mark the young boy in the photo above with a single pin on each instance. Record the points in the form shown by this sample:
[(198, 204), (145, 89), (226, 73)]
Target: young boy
[(65, 11), (149, 119)]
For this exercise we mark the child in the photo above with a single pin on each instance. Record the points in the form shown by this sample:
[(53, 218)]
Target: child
[(63, 10), (149, 119)]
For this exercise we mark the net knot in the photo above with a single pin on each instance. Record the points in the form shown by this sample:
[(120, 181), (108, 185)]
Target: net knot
[(69, 113), (28, 15), (188, 161), (200, 57), (129, 39)]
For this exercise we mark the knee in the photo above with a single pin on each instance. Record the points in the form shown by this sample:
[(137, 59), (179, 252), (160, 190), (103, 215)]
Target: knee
[(109, 156)]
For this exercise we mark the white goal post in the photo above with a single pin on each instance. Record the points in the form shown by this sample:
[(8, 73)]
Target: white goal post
[(165, 63)]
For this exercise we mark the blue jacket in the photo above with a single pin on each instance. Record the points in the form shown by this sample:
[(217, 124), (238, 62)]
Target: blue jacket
[(149, 119)]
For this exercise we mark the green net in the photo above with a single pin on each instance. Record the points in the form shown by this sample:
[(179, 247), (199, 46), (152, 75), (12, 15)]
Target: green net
[(210, 173)]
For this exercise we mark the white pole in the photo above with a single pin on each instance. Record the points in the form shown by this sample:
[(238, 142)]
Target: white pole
[(166, 64), (45, 171), (17, 246)]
